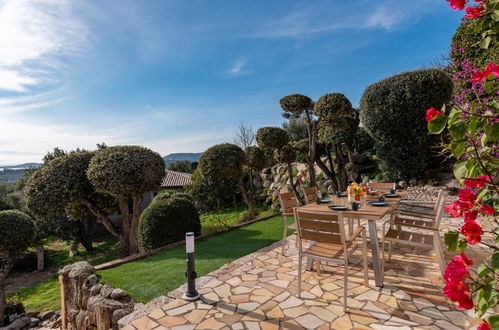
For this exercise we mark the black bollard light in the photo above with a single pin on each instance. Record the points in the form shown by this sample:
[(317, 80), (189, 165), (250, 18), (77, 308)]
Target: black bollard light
[(192, 293)]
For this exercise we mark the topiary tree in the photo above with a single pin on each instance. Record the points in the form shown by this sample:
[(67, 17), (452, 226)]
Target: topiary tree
[(277, 139), (61, 187), (211, 195), (16, 235), (225, 161), (166, 221), (393, 114), (298, 105), (127, 172)]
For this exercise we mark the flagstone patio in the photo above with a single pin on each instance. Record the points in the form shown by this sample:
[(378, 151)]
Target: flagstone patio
[(259, 292)]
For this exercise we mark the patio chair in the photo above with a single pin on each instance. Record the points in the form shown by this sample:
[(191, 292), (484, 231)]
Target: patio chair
[(310, 195), (381, 186), (422, 210), (288, 202), (326, 232), (415, 232)]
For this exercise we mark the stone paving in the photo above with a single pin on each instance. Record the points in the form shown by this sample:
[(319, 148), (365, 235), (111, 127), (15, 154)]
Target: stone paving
[(260, 293)]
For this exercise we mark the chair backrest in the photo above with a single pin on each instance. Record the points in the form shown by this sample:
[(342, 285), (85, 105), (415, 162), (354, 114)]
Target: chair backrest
[(439, 207), (288, 202), (320, 227), (383, 186), (310, 195)]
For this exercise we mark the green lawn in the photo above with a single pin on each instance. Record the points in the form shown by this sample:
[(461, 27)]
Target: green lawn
[(155, 276), (221, 219)]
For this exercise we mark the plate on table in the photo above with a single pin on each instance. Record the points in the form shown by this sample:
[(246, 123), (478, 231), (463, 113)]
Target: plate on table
[(338, 207), (325, 201), (378, 203), (392, 195), (343, 195)]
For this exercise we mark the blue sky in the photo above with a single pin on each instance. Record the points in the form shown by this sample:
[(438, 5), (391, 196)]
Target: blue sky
[(179, 76)]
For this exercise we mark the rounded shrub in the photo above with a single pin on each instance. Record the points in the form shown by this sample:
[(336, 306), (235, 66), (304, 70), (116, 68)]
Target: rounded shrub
[(166, 221), (271, 137), (17, 231), (256, 159), (222, 161), (295, 103), (285, 155), (333, 105), (393, 113)]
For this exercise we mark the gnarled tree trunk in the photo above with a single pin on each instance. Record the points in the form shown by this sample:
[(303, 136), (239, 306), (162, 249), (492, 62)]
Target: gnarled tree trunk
[(4, 271), (293, 184), (247, 198)]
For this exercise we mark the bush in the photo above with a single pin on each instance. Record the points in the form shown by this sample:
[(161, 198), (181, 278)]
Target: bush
[(222, 161), (166, 221), (17, 231), (295, 103), (333, 106), (211, 195), (393, 113)]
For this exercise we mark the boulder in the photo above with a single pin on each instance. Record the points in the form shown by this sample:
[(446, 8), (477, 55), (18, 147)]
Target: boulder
[(32, 313), (46, 315), (106, 290), (267, 184), (118, 294)]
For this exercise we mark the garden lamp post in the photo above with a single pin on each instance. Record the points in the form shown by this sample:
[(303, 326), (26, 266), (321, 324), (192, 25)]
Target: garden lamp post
[(192, 293)]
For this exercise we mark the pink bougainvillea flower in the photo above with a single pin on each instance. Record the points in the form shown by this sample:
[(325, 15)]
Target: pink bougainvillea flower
[(457, 270), (457, 209), (460, 293), (472, 183), (473, 232), (432, 113), (470, 216), (474, 12), (493, 68), (457, 4), (466, 195), (484, 326), (487, 209)]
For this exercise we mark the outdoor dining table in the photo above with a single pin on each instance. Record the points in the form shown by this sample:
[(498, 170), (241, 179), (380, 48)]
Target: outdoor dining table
[(372, 214)]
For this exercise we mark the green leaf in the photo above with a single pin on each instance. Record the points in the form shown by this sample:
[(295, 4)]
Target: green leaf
[(482, 270), (453, 116), (460, 169), (437, 124), (451, 239), (484, 139), (458, 147), (494, 321), (482, 194), (462, 245), (493, 131), (472, 124), (484, 43), (495, 260), (457, 129)]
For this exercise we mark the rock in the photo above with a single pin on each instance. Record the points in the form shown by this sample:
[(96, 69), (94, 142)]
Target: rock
[(277, 178), (32, 313), (267, 170), (327, 183), (274, 185), (95, 289), (34, 321), (106, 290), (46, 315), (402, 184), (118, 294), (91, 280), (20, 323), (267, 184), (119, 314)]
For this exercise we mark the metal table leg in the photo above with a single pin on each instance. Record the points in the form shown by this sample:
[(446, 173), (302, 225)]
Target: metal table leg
[(373, 237)]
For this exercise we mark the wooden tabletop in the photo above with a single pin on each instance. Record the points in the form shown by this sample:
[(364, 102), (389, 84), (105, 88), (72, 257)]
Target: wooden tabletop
[(365, 211)]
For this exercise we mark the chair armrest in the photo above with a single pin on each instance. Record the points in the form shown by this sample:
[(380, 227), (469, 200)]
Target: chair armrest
[(356, 233), (415, 226)]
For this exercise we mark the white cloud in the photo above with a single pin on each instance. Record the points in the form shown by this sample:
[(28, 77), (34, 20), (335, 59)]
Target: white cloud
[(32, 34), (237, 68)]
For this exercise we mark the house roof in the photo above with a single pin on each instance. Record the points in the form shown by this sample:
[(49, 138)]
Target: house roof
[(175, 179)]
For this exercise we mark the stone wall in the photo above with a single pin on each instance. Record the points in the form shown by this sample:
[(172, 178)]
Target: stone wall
[(88, 304)]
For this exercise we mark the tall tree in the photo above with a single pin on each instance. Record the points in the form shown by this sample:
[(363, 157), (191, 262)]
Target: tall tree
[(226, 161), (277, 139), (127, 172), (298, 105)]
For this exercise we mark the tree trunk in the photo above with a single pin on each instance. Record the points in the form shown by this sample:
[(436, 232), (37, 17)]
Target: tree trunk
[(312, 136), (330, 174), (247, 198), (293, 185), (351, 174), (85, 233), (341, 162), (102, 219), (134, 223), (4, 271), (125, 244)]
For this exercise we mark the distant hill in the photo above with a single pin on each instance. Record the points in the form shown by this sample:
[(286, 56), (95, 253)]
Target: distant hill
[(12, 173), (172, 158)]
